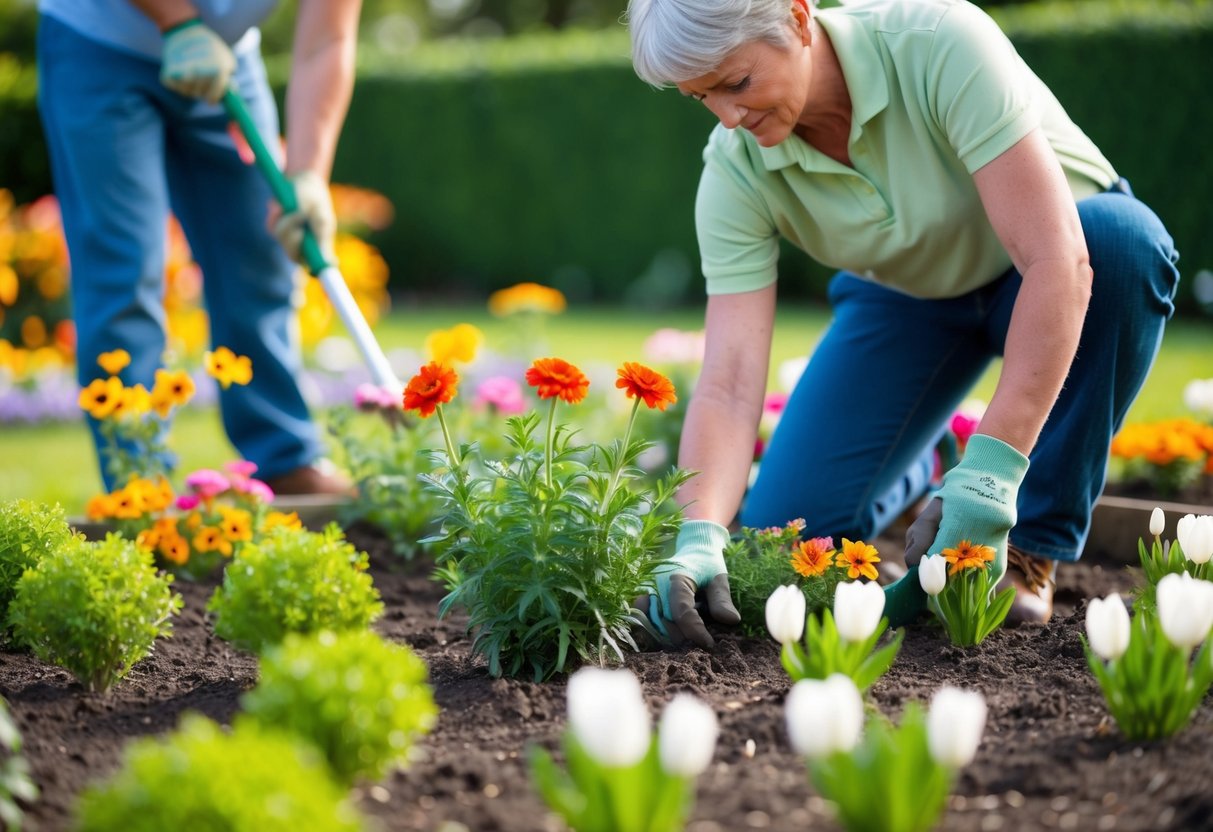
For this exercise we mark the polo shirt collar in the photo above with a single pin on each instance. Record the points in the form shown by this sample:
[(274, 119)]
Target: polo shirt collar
[(863, 69)]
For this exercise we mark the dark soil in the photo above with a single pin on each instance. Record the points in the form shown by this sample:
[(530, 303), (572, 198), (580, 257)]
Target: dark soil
[(1051, 758)]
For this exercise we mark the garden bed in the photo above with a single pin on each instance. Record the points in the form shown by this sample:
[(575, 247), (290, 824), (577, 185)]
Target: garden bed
[(1050, 758)]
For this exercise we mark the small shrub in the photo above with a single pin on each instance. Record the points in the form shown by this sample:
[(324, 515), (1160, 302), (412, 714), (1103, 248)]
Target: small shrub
[(15, 783), (360, 700), (94, 609), (294, 581), (203, 778), (28, 531)]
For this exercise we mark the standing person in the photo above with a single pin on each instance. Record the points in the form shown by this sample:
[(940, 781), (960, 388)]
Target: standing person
[(128, 94), (905, 143)]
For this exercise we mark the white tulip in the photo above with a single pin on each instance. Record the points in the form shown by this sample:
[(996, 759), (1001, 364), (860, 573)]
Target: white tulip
[(686, 737), (1195, 536), (608, 716), (824, 716), (933, 574), (954, 726), (857, 609), (1185, 609), (1108, 627), (786, 613), (1158, 522), (790, 372), (1198, 396)]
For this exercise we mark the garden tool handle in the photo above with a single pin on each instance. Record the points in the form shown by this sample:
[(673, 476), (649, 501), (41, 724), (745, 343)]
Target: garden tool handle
[(324, 271)]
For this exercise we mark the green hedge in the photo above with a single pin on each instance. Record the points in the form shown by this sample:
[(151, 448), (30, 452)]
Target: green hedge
[(544, 158)]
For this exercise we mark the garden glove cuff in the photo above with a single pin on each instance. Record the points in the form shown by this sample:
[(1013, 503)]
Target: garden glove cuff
[(697, 564), (196, 62), (314, 208)]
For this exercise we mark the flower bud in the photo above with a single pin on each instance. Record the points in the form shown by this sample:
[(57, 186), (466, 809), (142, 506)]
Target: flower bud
[(608, 716), (954, 726), (1158, 522), (824, 716), (1185, 609), (786, 614), (1108, 627), (686, 737), (933, 574), (1195, 536), (857, 609)]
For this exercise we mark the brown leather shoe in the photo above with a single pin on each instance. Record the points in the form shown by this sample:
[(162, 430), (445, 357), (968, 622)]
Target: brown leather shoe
[(312, 479), (1033, 580)]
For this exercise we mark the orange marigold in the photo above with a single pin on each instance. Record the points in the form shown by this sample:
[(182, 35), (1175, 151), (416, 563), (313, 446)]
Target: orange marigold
[(554, 377), (813, 557), (434, 384), (641, 382), (857, 558), (968, 555)]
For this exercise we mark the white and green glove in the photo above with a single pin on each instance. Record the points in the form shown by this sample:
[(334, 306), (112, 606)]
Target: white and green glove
[(314, 210), (697, 564), (196, 62), (976, 503)]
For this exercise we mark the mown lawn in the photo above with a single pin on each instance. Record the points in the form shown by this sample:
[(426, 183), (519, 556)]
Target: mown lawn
[(54, 462)]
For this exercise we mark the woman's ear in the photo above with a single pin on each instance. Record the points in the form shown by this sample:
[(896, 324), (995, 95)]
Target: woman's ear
[(802, 15)]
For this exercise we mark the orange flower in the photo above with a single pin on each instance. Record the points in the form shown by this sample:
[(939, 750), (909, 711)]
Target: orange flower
[(101, 397), (813, 557), (211, 539), (275, 519), (237, 524), (526, 297), (227, 368), (556, 377), (114, 361), (173, 388), (433, 385), (641, 382), (858, 558), (968, 555), (175, 548), (100, 507)]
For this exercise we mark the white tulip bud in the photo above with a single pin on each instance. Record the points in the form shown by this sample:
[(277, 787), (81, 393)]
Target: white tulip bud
[(824, 716), (786, 614), (1158, 522), (1195, 536), (1108, 627), (1198, 396), (857, 609), (1185, 609), (608, 716), (933, 574), (686, 736), (954, 726)]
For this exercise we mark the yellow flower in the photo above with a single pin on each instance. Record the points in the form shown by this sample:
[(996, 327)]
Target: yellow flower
[(175, 548), (968, 555), (237, 524), (173, 388), (9, 285), (275, 519), (857, 558), (99, 507), (128, 503), (457, 344), (101, 397), (114, 361), (211, 539), (526, 297), (193, 521), (228, 368), (135, 401), (33, 332)]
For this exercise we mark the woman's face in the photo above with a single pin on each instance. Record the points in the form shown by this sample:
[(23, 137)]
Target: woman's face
[(761, 87)]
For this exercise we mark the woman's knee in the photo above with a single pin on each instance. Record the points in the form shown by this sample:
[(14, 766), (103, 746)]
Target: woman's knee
[(1131, 253)]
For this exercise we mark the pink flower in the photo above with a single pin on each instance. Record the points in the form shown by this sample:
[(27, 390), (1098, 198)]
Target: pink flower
[(369, 396), (257, 489), (759, 447), (774, 403), (241, 468), (964, 426), (188, 502), (674, 346), (207, 483), (502, 393)]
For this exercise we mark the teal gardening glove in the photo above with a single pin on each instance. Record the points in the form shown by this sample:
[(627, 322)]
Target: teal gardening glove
[(697, 563), (977, 503), (196, 62)]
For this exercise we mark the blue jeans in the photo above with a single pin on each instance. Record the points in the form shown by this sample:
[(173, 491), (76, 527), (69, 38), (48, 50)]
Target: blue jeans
[(854, 447), (124, 150)]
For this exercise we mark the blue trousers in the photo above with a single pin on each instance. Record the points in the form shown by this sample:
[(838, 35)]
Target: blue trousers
[(854, 447), (125, 150)]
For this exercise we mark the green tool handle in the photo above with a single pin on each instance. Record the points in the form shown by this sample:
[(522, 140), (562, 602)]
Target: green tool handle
[(281, 187)]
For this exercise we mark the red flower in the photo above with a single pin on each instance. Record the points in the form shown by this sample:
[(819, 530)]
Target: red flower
[(433, 385), (554, 377), (641, 382)]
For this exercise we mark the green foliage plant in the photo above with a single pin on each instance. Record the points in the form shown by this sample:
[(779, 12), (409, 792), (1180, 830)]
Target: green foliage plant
[(760, 560), (1170, 557), (360, 700), (294, 581), (964, 597), (203, 777), (546, 549), (94, 608), (28, 532), (15, 782)]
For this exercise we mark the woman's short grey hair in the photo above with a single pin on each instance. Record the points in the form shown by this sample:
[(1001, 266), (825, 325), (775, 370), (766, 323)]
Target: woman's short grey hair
[(676, 40)]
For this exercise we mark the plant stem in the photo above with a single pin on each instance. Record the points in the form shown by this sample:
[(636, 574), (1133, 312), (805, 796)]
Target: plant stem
[(547, 453), (446, 437), (623, 453)]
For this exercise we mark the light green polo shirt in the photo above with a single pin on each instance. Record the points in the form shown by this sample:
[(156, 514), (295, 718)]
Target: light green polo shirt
[(937, 92)]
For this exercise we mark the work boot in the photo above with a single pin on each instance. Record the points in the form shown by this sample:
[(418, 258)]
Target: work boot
[(317, 478), (1033, 579)]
